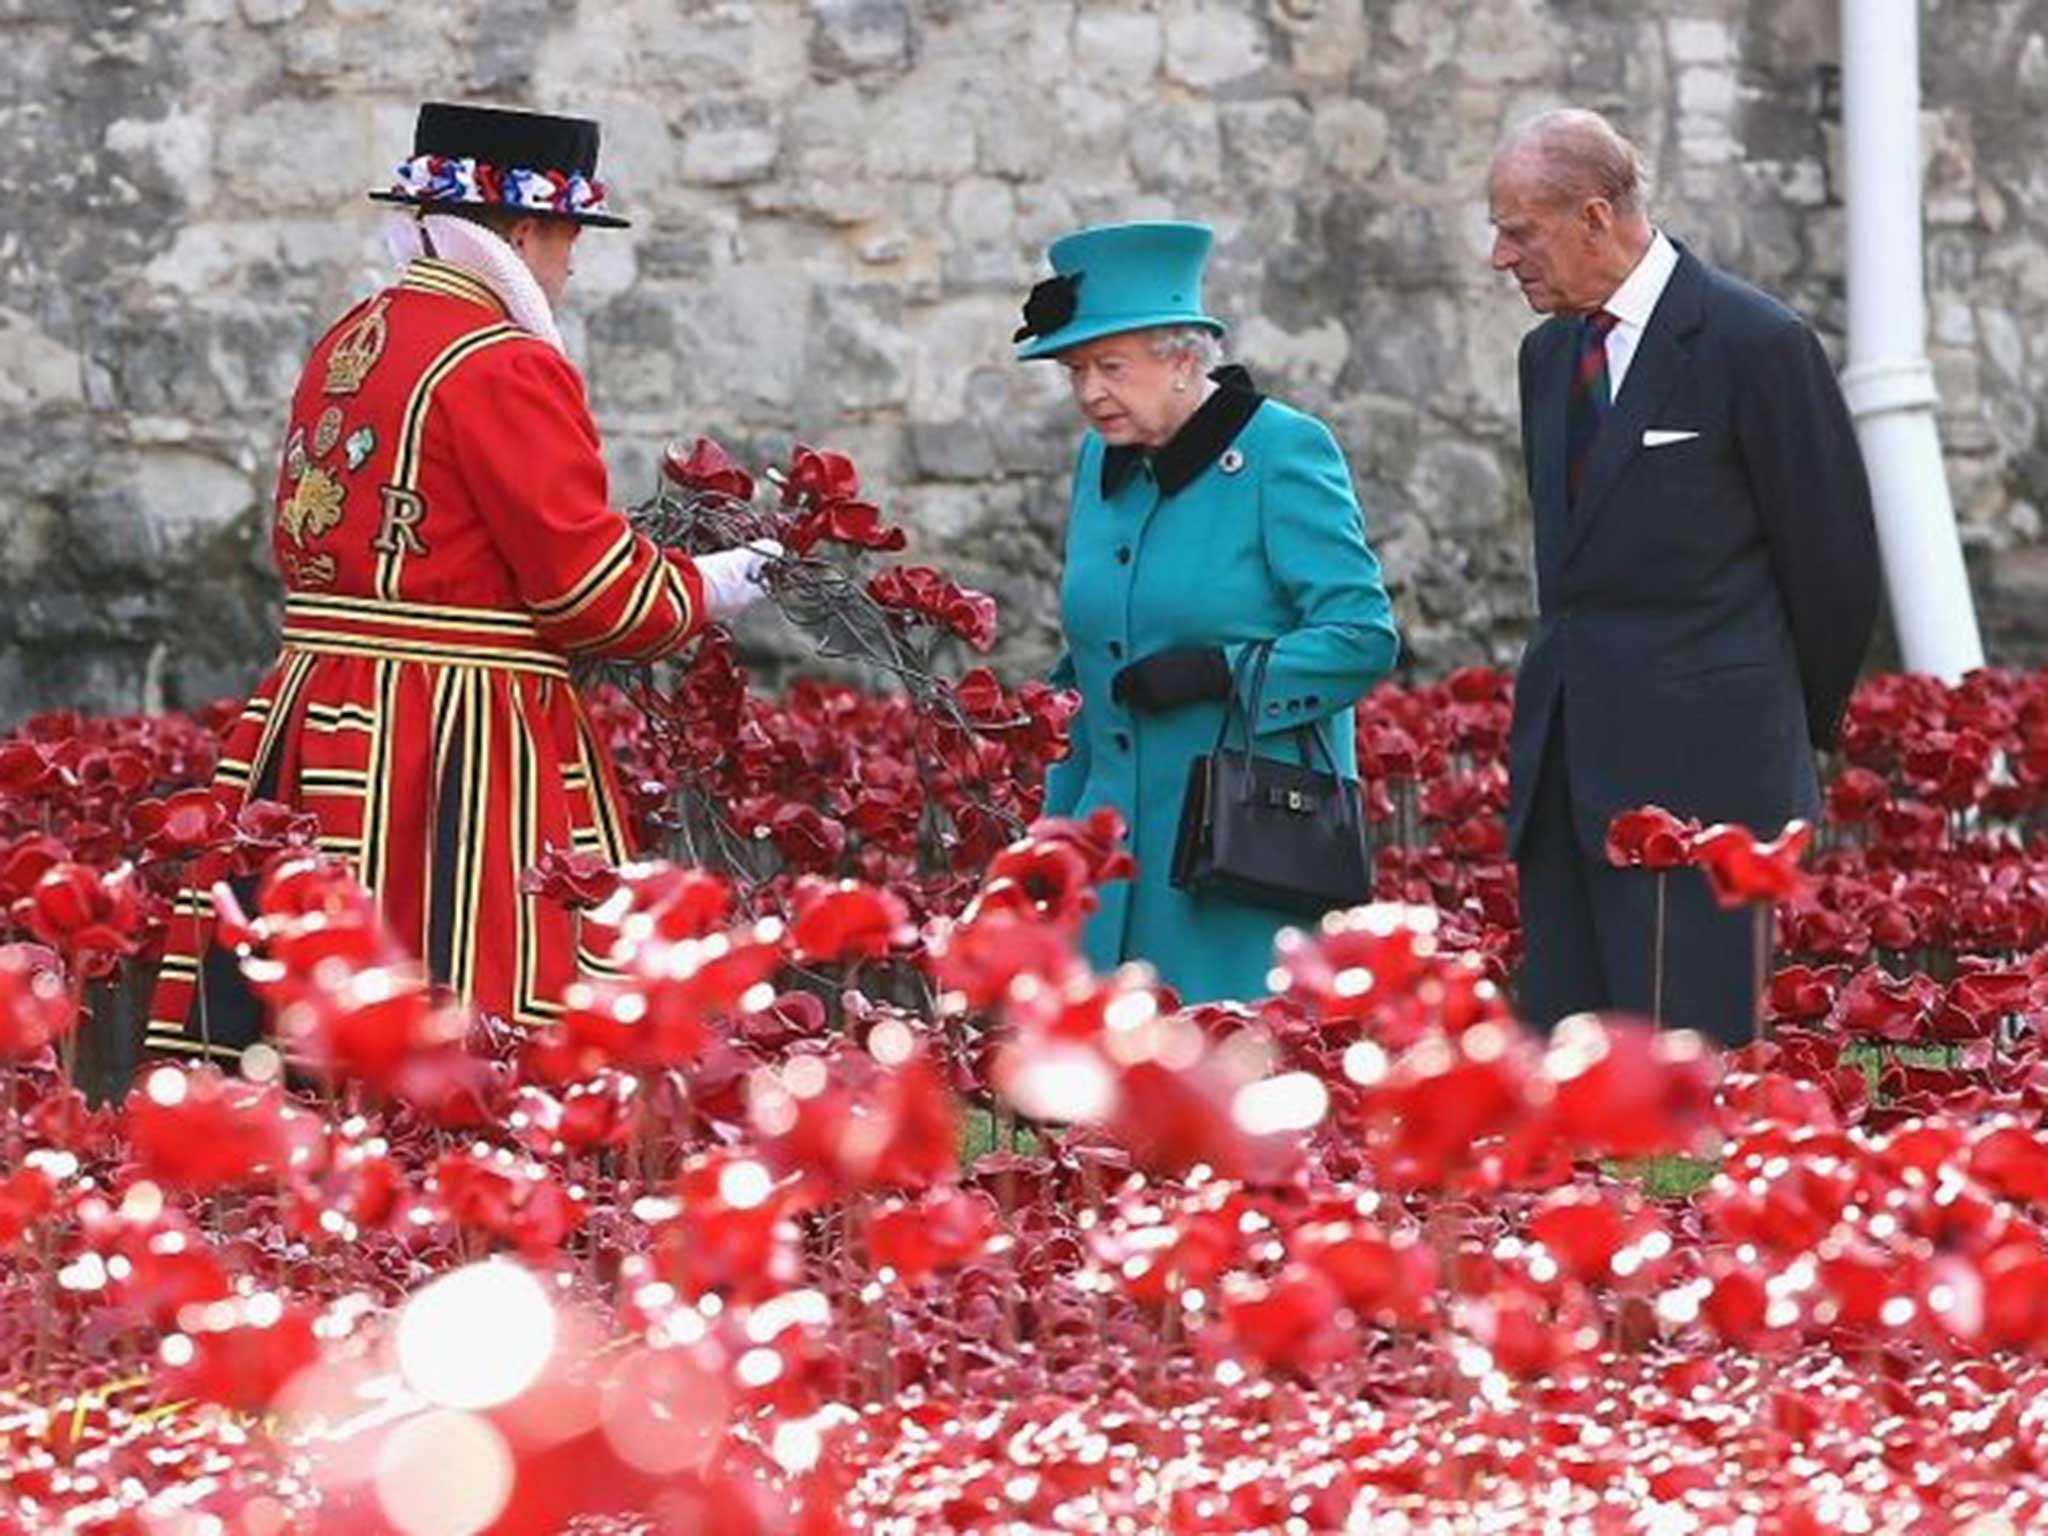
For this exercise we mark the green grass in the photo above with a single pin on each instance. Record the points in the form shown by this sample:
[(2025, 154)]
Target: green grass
[(978, 1136), (1873, 1058), (1666, 1178)]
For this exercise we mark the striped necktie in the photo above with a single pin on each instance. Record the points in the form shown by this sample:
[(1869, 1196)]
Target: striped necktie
[(1590, 395)]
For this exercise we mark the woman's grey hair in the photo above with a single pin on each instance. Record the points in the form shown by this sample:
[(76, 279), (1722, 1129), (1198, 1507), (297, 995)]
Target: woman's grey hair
[(1576, 154), (1198, 342)]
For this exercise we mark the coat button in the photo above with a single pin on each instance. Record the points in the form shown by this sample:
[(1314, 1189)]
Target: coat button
[(1116, 650), (1231, 462), (1123, 741), (1123, 554)]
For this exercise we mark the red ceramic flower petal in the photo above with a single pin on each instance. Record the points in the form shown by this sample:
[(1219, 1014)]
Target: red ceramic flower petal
[(195, 1130), (1741, 870), (1624, 1088), (1650, 838), (36, 1006), (819, 476), (705, 466), (846, 920)]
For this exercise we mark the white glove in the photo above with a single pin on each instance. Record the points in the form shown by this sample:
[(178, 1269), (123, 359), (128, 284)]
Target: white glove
[(732, 577)]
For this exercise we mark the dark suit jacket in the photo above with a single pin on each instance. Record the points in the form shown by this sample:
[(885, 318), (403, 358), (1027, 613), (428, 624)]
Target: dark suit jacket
[(1704, 607)]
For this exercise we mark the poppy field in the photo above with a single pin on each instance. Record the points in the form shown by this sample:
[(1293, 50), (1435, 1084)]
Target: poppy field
[(849, 1199)]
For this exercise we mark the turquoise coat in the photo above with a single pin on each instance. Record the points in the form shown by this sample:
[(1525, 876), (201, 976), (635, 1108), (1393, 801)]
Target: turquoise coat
[(1243, 528)]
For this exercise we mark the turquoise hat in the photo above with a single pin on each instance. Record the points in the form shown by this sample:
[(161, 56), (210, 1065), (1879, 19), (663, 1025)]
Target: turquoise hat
[(1114, 278)]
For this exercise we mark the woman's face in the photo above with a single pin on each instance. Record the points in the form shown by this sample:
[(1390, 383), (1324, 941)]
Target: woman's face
[(1127, 393)]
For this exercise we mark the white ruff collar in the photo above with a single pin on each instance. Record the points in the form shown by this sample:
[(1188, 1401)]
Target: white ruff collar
[(477, 251)]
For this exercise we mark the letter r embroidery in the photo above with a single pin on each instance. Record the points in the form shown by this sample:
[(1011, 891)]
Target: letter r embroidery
[(398, 532)]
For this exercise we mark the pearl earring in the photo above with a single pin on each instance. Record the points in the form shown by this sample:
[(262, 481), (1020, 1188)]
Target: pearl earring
[(1180, 386)]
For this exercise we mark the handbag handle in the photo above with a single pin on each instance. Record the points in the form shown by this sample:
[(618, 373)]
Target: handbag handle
[(1234, 708), (1257, 657)]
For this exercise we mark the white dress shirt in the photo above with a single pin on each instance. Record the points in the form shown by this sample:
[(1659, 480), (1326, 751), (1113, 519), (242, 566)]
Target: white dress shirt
[(1632, 305)]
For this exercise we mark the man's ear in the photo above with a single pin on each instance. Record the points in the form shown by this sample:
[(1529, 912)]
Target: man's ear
[(1596, 218)]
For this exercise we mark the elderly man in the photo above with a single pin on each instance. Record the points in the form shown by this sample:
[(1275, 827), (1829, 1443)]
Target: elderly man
[(1706, 573)]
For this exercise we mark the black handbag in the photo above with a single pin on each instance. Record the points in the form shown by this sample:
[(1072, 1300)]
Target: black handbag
[(1268, 832)]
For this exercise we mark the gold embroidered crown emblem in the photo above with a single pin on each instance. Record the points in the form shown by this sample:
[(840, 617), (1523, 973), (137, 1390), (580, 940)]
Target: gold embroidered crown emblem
[(313, 508), (357, 351)]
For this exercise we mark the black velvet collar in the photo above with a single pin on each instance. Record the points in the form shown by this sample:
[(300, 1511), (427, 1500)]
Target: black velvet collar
[(1199, 442)]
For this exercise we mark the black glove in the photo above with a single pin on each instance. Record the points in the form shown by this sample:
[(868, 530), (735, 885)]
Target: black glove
[(1182, 674)]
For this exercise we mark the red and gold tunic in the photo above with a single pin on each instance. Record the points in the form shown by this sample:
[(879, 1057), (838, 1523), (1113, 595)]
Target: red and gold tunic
[(446, 545)]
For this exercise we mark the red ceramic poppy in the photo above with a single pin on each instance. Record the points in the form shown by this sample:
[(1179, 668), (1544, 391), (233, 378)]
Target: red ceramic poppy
[(196, 1130), (667, 901), (856, 524), (1292, 1322), (845, 920), (266, 831), (731, 1230), (1623, 1088), (1878, 1005), (1043, 879), (36, 1007), (1389, 1280), (981, 959), (26, 770), (575, 880), (1856, 795), (915, 1239), (26, 1196), (1650, 838), (187, 823), (819, 476), (1800, 994), (520, 1204), (807, 839), (705, 466), (26, 860), (90, 918), (241, 1354), (1741, 870), (850, 1121)]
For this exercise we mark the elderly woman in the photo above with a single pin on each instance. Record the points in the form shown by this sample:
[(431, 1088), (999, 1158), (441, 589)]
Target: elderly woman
[(1205, 518)]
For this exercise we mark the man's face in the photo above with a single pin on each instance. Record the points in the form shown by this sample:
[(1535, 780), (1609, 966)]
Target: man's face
[(1127, 393), (1553, 248), (547, 247)]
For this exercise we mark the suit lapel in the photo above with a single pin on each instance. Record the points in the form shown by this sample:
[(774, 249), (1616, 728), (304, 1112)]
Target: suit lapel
[(1660, 360), (1551, 385)]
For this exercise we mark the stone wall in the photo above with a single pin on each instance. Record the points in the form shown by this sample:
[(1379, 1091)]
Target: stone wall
[(839, 205)]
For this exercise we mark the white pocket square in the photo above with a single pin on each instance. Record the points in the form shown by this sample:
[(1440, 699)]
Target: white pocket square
[(1663, 437)]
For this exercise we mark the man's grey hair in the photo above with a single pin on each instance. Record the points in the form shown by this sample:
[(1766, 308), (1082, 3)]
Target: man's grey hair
[(1575, 154), (1197, 342)]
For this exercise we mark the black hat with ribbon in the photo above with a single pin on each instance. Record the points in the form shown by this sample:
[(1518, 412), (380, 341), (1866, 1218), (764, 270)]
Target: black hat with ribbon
[(494, 157)]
